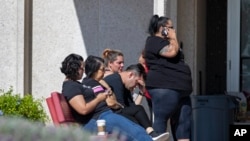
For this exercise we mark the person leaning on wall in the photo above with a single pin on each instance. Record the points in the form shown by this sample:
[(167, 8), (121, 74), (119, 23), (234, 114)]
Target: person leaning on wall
[(168, 80)]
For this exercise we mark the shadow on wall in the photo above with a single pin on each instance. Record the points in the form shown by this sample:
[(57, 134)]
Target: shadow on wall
[(115, 24)]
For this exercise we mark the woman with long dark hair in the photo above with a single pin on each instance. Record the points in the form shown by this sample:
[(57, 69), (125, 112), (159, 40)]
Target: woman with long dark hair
[(168, 80)]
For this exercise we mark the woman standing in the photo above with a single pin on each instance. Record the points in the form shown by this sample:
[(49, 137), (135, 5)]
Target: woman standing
[(169, 80)]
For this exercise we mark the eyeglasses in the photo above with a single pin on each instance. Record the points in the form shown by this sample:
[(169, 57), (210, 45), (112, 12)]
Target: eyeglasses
[(169, 27)]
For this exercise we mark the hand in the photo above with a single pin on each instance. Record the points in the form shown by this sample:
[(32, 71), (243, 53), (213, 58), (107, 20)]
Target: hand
[(171, 34), (108, 92), (141, 86), (102, 96)]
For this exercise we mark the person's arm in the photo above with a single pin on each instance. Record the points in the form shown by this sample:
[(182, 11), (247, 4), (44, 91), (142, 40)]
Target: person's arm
[(79, 104), (111, 99), (117, 89), (142, 89), (172, 49), (138, 99)]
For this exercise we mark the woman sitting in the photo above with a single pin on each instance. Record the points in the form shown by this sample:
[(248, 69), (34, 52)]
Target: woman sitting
[(88, 101), (113, 61)]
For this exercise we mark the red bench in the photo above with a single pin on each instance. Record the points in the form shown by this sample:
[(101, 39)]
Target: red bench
[(61, 114), (59, 109)]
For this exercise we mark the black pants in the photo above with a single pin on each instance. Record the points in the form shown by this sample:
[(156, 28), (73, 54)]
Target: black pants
[(180, 116), (149, 101), (137, 114)]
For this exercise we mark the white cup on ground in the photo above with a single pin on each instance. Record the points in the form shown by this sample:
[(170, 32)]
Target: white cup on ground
[(101, 126)]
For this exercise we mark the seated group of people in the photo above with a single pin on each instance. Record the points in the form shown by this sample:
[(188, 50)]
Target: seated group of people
[(106, 93)]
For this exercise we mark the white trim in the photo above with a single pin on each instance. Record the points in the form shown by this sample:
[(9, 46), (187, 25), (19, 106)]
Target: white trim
[(233, 45), (159, 7)]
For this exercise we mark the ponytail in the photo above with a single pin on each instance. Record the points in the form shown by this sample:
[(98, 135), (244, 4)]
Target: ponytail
[(155, 23)]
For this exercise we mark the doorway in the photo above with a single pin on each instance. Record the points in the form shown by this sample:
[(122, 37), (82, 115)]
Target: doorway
[(216, 47)]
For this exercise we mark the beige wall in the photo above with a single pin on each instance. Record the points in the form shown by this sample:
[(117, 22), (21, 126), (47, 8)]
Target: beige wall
[(191, 23), (56, 33), (87, 27), (11, 44), (64, 27)]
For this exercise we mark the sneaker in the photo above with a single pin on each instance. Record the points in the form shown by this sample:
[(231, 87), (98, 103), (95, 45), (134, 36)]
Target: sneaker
[(159, 137)]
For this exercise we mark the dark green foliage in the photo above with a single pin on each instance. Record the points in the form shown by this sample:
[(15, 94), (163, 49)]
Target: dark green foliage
[(27, 107), (23, 119)]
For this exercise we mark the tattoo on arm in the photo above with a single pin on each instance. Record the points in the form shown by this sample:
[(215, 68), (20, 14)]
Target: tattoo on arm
[(165, 49)]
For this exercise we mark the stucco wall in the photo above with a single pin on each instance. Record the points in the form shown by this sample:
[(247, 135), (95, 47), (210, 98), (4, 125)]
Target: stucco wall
[(11, 44), (63, 27), (86, 27), (191, 23)]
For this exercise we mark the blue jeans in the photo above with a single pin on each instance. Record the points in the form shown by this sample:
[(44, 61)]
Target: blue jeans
[(169, 104), (114, 122)]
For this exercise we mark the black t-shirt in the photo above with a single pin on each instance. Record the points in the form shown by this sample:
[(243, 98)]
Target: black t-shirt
[(73, 88), (167, 73), (123, 95)]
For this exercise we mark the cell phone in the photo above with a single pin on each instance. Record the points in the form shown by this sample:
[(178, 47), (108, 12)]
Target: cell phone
[(164, 32), (107, 91)]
